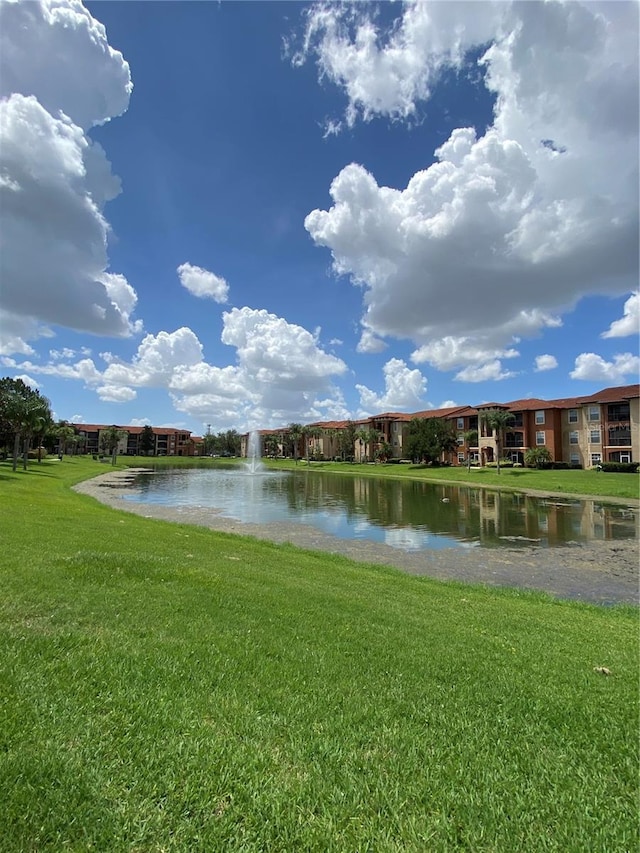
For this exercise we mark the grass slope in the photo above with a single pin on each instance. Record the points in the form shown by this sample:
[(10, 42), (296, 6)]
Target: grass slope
[(569, 482), (165, 687)]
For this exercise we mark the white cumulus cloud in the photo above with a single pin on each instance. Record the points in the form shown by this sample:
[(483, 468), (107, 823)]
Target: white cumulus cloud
[(58, 52), (629, 323), (202, 283), (491, 371), (369, 343), (595, 368), (281, 373), (58, 78), (508, 228), (545, 362), (404, 390)]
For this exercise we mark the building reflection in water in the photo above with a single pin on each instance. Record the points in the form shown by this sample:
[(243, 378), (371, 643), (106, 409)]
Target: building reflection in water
[(410, 515), (469, 514)]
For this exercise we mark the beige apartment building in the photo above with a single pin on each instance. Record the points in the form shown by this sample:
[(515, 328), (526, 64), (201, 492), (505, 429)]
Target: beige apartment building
[(583, 431), (166, 441)]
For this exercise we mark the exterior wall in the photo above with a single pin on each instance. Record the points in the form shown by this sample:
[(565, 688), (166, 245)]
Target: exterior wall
[(596, 434), (396, 439), (166, 442), (618, 432), (593, 425), (635, 428), (580, 449), (555, 433)]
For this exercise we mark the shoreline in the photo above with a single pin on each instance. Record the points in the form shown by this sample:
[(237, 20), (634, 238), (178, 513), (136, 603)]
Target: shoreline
[(598, 572)]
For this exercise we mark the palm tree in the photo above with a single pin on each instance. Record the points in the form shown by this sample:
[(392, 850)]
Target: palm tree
[(23, 413), (42, 427), (372, 439), (34, 420), (65, 435), (332, 435), (271, 445), (311, 432), (497, 420), (471, 440), (361, 436), (295, 434), (385, 451), (111, 438)]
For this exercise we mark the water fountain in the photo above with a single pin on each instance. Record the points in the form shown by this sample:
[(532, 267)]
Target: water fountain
[(254, 465)]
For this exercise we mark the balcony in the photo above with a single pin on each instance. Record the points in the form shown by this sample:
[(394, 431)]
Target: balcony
[(619, 412), (619, 438), (513, 439)]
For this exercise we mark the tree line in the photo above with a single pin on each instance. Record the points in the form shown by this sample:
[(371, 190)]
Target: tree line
[(26, 421), (27, 426)]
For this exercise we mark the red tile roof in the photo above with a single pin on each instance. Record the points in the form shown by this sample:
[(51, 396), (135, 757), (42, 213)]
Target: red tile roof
[(132, 430), (613, 395)]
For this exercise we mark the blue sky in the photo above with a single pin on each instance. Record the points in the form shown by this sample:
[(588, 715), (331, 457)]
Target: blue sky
[(244, 214)]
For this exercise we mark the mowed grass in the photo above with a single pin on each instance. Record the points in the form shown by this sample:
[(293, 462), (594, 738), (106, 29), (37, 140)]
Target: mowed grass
[(170, 688), (570, 482)]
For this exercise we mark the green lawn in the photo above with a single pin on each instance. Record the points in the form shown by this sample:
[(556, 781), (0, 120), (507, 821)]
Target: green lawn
[(576, 482), (570, 482), (169, 688)]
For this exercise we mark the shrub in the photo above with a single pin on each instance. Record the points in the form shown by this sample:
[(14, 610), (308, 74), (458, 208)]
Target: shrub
[(538, 457), (620, 467), (33, 453)]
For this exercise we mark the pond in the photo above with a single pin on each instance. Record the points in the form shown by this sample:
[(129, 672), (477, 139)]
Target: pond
[(406, 515)]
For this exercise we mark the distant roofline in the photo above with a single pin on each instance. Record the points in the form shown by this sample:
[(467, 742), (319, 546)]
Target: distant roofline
[(610, 394)]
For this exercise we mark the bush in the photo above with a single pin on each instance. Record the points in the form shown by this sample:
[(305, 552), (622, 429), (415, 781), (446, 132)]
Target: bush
[(33, 453), (619, 467), (538, 457), (558, 466)]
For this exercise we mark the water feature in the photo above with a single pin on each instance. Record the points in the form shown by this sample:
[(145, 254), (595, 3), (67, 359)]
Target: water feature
[(254, 464), (406, 515)]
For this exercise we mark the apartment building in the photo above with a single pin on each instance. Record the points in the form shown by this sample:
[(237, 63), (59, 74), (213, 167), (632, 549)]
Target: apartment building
[(604, 428), (166, 441), (585, 431)]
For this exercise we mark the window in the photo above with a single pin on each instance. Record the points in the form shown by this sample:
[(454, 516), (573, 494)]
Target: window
[(594, 413), (460, 423), (594, 436), (573, 436), (619, 436), (460, 439), (574, 459), (514, 439), (460, 458), (619, 412), (540, 437), (573, 416), (596, 458), (540, 416)]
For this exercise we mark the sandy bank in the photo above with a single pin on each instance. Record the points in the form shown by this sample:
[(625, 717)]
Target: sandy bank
[(599, 572)]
